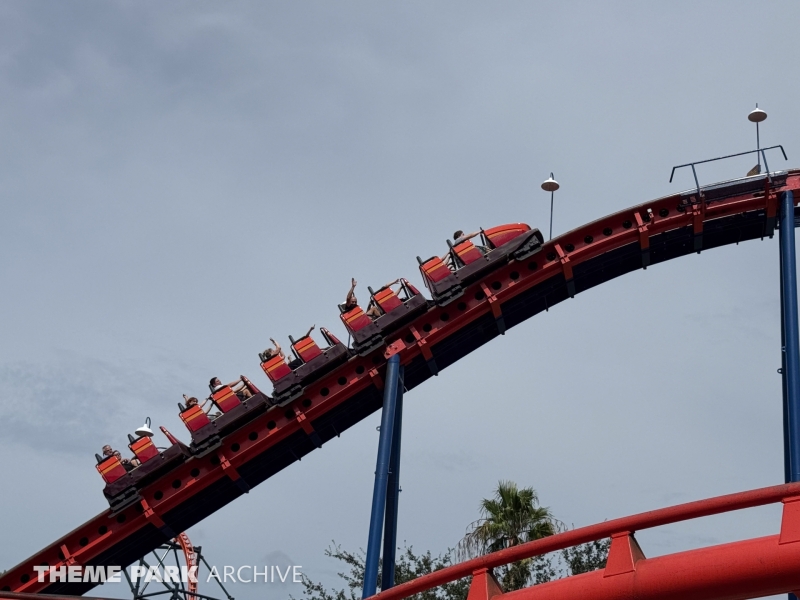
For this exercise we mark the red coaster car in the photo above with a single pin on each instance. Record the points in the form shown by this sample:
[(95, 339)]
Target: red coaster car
[(235, 411), (289, 380), (469, 262), (390, 309), (123, 485)]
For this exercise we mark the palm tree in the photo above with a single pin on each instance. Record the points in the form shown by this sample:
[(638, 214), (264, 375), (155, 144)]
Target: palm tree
[(511, 518)]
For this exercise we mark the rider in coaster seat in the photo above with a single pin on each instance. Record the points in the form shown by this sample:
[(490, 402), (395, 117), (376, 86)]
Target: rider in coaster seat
[(110, 467), (436, 269), (273, 362), (238, 387), (305, 348), (193, 415), (143, 448), (463, 251), (386, 298), (128, 465), (225, 397), (271, 352), (351, 303)]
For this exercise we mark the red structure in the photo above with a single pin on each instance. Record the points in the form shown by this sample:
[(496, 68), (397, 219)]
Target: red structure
[(252, 441), (748, 569)]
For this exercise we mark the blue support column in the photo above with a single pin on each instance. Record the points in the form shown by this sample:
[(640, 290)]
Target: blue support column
[(381, 476), (787, 475), (791, 346), (791, 371), (393, 495)]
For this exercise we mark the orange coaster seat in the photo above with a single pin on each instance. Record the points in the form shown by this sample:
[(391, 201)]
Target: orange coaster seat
[(276, 368), (307, 349), (225, 399), (311, 361), (387, 299), (194, 418), (467, 252), (355, 319), (435, 270), (111, 469), (143, 448)]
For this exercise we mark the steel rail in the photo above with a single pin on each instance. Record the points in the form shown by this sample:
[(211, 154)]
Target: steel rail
[(200, 486), (753, 568), (582, 535)]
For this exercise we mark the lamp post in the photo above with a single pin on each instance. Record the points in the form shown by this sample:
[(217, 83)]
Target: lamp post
[(550, 185), (756, 116)]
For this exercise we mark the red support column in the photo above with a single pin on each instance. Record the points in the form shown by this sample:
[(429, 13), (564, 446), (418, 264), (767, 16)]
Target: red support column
[(623, 554), (484, 586)]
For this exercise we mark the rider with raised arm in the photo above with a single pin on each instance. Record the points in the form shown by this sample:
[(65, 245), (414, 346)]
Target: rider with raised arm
[(272, 352), (460, 237), (238, 387), (350, 302), (373, 312), (192, 401)]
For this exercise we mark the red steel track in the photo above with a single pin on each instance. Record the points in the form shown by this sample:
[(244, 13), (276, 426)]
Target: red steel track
[(646, 234), (746, 569)]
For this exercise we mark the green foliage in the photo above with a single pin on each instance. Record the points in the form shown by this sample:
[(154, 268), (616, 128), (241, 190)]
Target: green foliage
[(408, 566), (570, 561), (586, 557), (511, 518), (544, 569)]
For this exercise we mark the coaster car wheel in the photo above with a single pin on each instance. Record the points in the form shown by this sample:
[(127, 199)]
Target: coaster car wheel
[(368, 346), (209, 444), (124, 499), (530, 247), (451, 294), (284, 398)]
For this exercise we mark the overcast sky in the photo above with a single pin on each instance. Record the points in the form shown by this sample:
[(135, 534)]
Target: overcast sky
[(180, 181)]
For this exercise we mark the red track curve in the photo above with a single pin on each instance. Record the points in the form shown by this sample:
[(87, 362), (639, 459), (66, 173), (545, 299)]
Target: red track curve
[(623, 556), (649, 233)]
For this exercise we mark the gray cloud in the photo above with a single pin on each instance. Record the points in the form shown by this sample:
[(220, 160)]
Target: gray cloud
[(180, 182)]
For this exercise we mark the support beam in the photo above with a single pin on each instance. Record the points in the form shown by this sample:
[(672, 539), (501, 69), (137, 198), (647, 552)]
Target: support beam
[(787, 475), (392, 495), (790, 354), (381, 476), (791, 372), (484, 586)]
